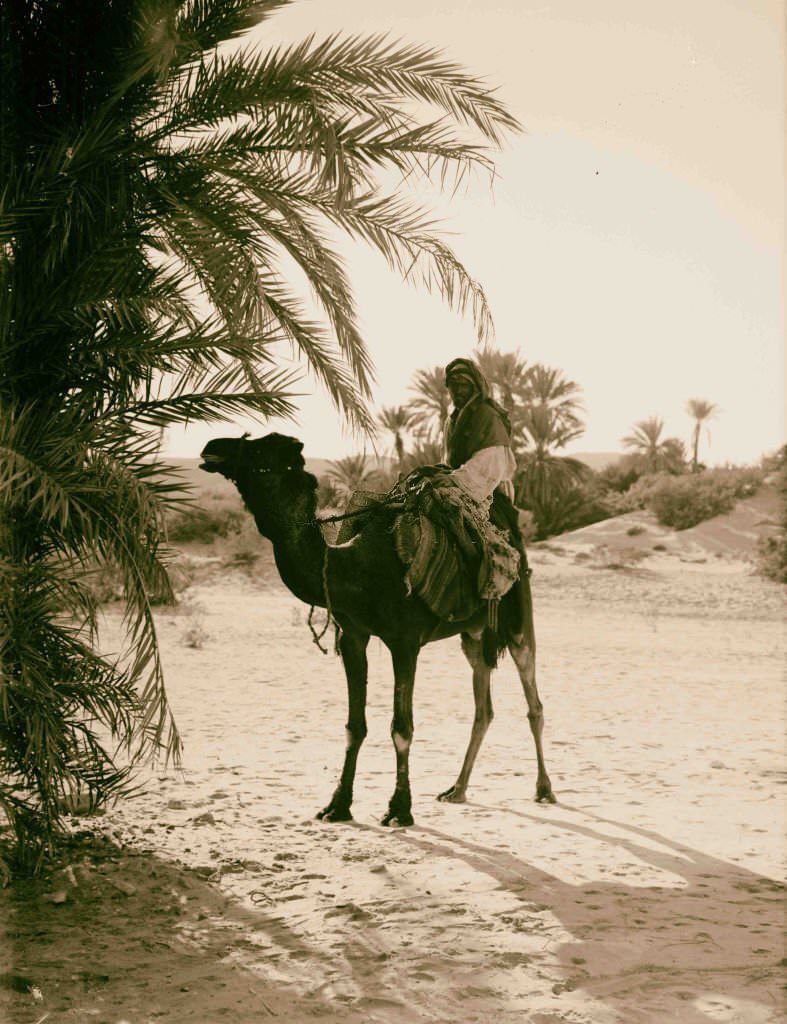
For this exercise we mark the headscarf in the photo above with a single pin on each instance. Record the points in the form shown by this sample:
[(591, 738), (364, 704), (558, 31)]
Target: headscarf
[(467, 368)]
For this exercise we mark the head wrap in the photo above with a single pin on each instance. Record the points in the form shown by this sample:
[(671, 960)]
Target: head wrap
[(467, 368)]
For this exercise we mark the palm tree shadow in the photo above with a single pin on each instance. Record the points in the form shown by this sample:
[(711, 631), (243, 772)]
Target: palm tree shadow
[(651, 952), (168, 944)]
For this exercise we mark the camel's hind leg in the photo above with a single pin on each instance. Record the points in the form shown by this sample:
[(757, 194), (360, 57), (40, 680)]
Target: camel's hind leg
[(352, 647), (524, 656), (483, 716)]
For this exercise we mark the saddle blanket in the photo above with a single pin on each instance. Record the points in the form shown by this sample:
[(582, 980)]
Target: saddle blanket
[(455, 558)]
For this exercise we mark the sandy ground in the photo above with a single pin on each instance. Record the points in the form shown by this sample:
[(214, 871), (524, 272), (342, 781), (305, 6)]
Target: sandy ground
[(650, 892)]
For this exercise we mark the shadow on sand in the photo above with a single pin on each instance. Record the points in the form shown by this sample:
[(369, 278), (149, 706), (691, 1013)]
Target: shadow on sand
[(710, 949), (137, 938)]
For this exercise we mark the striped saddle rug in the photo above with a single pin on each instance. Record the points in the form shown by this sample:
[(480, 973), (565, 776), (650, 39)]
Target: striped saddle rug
[(453, 557)]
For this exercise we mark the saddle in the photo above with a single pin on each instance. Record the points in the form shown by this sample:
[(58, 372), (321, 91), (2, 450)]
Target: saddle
[(455, 560)]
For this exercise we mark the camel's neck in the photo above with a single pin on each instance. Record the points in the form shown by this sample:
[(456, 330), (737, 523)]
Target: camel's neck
[(284, 510)]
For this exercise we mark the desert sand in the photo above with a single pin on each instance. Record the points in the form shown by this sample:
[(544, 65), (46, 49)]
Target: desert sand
[(651, 891)]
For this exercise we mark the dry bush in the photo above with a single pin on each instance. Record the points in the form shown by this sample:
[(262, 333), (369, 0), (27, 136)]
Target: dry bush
[(683, 502)]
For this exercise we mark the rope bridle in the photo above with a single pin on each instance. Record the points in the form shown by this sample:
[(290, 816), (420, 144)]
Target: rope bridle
[(234, 470)]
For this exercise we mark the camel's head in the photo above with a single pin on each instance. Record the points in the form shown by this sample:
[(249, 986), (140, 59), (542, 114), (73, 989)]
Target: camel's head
[(233, 456)]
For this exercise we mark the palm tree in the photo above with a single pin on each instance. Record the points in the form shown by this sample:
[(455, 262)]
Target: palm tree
[(653, 453), (424, 452), (507, 375), (544, 479), (700, 411), (350, 474), (396, 419), (156, 191), (548, 483), (432, 402), (547, 386)]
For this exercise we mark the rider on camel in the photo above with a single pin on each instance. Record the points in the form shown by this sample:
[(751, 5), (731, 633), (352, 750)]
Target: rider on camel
[(478, 449), (477, 434)]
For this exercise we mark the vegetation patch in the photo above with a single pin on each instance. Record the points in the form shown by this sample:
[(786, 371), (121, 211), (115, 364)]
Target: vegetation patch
[(772, 551), (204, 525), (683, 502)]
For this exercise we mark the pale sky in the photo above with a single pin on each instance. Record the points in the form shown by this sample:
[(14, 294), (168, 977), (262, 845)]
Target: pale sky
[(634, 238)]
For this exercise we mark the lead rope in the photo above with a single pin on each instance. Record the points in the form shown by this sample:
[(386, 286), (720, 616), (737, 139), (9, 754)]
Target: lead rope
[(317, 637), (388, 502), (320, 520)]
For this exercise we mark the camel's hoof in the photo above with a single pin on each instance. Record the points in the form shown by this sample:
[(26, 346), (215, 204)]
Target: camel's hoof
[(545, 796), (334, 814), (397, 820), (453, 796)]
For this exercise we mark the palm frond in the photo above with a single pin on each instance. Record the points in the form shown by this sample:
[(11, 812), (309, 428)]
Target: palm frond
[(202, 24), (402, 234)]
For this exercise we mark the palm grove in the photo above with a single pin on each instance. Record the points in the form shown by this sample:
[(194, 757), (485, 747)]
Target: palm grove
[(166, 207), (559, 492)]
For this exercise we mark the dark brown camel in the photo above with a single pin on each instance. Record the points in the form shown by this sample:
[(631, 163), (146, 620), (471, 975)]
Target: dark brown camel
[(362, 582)]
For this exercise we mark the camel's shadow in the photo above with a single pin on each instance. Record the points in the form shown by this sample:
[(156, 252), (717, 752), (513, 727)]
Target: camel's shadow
[(711, 949)]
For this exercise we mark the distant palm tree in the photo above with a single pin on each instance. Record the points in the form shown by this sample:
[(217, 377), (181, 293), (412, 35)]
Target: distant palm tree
[(507, 375), (700, 411), (396, 419), (653, 453), (548, 386), (432, 402), (544, 478), (163, 199), (423, 452), (350, 474)]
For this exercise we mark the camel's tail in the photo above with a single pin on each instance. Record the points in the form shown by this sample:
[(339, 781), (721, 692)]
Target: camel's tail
[(514, 619), (491, 646)]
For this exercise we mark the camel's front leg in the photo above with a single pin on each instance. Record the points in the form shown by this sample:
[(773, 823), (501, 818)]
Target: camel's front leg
[(400, 804), (525, 659), (471, 646), (352, 647)]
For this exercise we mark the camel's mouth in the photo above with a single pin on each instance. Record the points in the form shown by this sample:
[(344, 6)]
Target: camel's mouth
[(210, 463)]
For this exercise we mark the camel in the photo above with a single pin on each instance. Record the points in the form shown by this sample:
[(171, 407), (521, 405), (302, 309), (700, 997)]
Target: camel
[(361, 582)]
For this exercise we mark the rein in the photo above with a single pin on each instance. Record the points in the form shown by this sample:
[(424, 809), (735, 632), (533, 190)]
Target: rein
[(388, 502)]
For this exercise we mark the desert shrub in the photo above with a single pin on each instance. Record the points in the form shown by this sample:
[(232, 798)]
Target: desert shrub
[(744, 481), (104, 582), (683, 502), (772, 550), (204, 525), (195, 635), (774, 462), (619, 476), (638, 496), (244, 548), (568, 510), (619, 558)]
